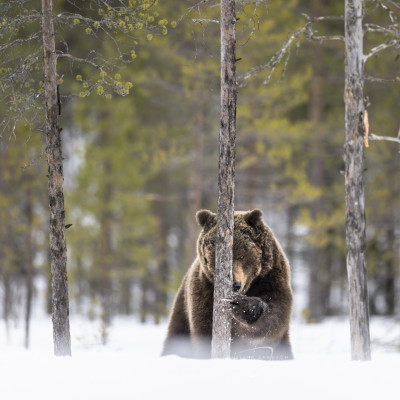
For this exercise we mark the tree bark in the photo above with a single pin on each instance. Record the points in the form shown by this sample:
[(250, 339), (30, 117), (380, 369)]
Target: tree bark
[(354, 185), (58, 248), (222, 317)]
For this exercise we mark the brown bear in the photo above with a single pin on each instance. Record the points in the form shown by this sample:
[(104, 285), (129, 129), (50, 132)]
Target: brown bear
[(261, 300)]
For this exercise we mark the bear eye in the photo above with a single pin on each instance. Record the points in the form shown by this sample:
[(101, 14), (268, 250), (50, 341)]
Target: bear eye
[(241, 258)]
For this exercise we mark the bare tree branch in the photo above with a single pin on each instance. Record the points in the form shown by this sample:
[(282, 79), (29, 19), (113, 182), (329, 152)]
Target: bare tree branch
[(381, 47), (370, 78), (327, 38), (205, 20), (372, 136), (19, 41), (274, 61), (391, 14), (378, 28), (284, 51), (81, 60)]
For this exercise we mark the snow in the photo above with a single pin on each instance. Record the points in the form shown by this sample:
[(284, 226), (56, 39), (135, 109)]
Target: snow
[(129, 366)]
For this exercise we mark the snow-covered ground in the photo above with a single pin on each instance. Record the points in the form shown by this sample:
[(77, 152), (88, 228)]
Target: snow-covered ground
[(129, 367)]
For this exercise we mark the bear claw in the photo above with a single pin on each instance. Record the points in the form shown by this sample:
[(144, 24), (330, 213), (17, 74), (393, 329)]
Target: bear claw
[(230, 301)]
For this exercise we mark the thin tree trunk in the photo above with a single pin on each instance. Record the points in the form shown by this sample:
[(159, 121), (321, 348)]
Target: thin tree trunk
[(125, 295), (28, 269), (58, 248), (354, 185), (144, 305), (6, 235), (6, 300), (160, 287), (222, 317), (317, 293), (197, 164), (106, 248), (390, 273), (251, 178)]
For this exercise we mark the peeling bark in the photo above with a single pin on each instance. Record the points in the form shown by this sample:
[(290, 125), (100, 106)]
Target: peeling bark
[(58, 248), (354, 184), (222, 317)]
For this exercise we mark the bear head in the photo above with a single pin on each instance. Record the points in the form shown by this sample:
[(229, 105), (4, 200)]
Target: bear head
[(253, 245)]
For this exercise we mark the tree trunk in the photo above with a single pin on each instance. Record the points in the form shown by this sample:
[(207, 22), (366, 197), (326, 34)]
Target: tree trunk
[(144, 305), (28, 268), (58, 248), (222, 317), (354, 185), (317, 293), (160, 287), (106, 251), (6, 235), (390, 273), (198, 131), (6, 300)]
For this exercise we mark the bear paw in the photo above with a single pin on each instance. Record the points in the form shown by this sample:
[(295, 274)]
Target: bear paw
[(248, 309)]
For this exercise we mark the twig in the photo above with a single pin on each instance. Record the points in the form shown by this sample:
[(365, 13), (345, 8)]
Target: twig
[(19, 41), (80, 60), (248, 3), (34, 161), (205, 20), (326, 38), (371, 78)]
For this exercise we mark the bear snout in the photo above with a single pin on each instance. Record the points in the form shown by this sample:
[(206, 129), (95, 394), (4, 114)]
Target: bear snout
[(237, 286)]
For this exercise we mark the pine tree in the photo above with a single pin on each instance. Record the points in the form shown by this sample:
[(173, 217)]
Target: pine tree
[(354, 181), (226, 183)]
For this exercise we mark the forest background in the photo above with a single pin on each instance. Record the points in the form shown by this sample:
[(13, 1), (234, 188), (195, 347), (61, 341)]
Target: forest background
[(138, 167)]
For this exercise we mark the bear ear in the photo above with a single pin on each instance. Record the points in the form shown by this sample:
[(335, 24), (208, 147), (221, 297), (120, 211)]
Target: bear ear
[(253, 218), (206, 219)]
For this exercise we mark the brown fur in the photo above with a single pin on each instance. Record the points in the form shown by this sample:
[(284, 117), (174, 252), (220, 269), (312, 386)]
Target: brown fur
[(261, 308)]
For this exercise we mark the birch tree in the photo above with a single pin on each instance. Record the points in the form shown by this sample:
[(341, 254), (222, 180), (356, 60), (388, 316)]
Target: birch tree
[(225, 215), (356, 137)]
